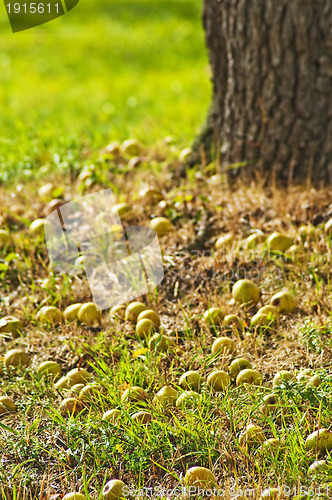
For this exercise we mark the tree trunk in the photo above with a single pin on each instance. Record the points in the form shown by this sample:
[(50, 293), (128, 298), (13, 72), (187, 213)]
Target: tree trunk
[(271, 67)]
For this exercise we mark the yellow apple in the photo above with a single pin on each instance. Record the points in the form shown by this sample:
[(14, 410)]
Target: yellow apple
[(124, 211), (254, 239), (37, 227), (16, 358), (162, 226), (49, 314), (45, 192), (131, 147), (190, 380), (134, 394), (279, 242), (320, 440), (161, 343), (218, 380), (261, 320), (318, 466), (90, 393), (150, 196), (284, 301), (282, 375), (166, 396), (249, 376), (224, 241), (270, 445), (142, 417), (252, 436), (246, 292), (10, 324), (144, 328), (74, 496), (133, 310), (75, 389), (232, 320), (50, 369), (78, 376), (269, 309), (72, 406), (213, 316), (238, 365), (118, 311), (187, 399), (270, 403), (71, 312), (6, 405), (200, 478), (89, 314), (114, 490), (112, 415), (222, 345), (151, 315)]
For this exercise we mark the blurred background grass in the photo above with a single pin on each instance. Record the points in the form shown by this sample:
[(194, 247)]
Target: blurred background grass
[(107, 70)]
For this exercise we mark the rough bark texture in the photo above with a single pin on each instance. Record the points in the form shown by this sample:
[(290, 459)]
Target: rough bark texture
[(272, 80)]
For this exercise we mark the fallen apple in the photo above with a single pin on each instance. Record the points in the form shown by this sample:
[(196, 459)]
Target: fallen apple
[(213, 316), (218, 380), (71, 312), (142, 417), (255, 238), (281, 376), (49, 314), (187, 399), (78, 376), (185, 154), (90, 393), (63, 383), (74, 496), (249, 377), (131, 147), (6, 405), (222, 345), (190, 380), (124, 211), (304, 375), (261, 320), (252, 436), (318, 466), (72, 406), (133, 310), (151, 315), (224, 241), (10, 324), (45, 192), (89, 314), (162, 226), (270, 445), (279, 242), (320, 441), (76, 389), (112, 415), (37, 227), (166, 396), (237, 365), (269, 309), (53, 205), (160, 343), (16, 358), (284, 301), (150, 196), (118, 311), (315, 381), (5, 238), (50, 369), (270, 403), (246, 292), (200, 478), (144, 328), (232, 320), (134, 394), (114, 489)]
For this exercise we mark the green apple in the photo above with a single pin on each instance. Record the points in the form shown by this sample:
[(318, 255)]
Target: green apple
[(49, 314), (320, 440), (269, 309), (45, 192), (160, 343), (78, 376), (255, 238), (112, 415), (271, 445), (218, 380), (6, 405), (249, 377), (213, 316), (200, 478), (318, 466), (222, 345), (63, 383), (284, 301), (187, 399), (151, 315), (190, 380), (185, 154), (261, 320), (315, 381), (114, 489), (74, 496), (133, 310), (114, 148), (281, 376), (224, 241), (232, 320), (304, 375), (71, 312), (90, 393), (76, 389), (134, 394), (142, 417), (328, 227), (37, 227), (246, 292), (89, 314), (72, 406), (238, 365), (5, 238), (166, 396), (124, 211), (294, 250), (131, 147), (279, 242), (150, 196), (50, 369), (144, 328), (16, 358), (252, 436), (10, 324), (162, 226), (118, 311), (270, 403)]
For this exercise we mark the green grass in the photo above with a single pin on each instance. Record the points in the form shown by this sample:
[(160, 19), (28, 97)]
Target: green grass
[(106, 70)]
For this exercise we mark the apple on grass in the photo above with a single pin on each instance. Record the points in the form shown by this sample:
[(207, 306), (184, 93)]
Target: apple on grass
[(151, 315), (124, 211), (134, 394), (284, 301), (142, 417), (5, 238), (320, 441), (74, 496), (49, 314), (10, 324), (160, 343), (111, 415), (71, 406), (118, 311), (224, 241), (248, 377), (252, 436), (238, 365), (78, 376), (166, 396), (190, 380), (133, 310), (144, 328), (89, 314), (50, 369), (71, 312), (162, 226), (222, 345), (246, 292), (16, 358), (262, 321), (218, 380), (270, 403), (200, 478), (213, 316), (187, 399), (6, 405), (281, 376), (232, 320), (279, 242), (37, 227), (114, 490), (131, 147)]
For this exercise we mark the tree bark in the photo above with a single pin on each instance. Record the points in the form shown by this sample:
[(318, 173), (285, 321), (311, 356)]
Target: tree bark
[(271, 63)]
